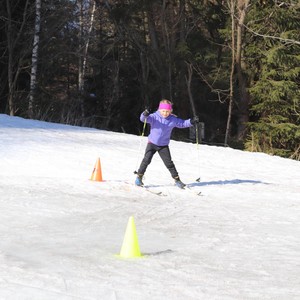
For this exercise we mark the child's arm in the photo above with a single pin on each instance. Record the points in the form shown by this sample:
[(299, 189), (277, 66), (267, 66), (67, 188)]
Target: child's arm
[(145, 115), (187, 123), (183, 123)]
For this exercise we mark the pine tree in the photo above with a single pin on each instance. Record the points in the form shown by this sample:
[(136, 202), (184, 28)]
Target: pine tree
[(275, 128)]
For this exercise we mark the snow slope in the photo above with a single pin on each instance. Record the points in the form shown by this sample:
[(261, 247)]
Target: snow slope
[(60, 231)]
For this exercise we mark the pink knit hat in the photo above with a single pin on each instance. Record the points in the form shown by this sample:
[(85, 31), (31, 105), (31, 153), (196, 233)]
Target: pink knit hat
[(166, 106)]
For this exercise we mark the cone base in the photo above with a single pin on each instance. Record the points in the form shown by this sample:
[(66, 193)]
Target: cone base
[(97, 180), (129, 257)]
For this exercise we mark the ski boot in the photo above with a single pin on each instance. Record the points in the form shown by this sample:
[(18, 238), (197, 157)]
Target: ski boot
[(179, 183), (138, 180)]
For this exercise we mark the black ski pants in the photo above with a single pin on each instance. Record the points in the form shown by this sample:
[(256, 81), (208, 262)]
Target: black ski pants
[(165, 155)]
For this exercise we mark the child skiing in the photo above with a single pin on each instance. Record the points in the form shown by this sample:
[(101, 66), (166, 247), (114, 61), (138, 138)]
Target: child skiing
[(162, 123)]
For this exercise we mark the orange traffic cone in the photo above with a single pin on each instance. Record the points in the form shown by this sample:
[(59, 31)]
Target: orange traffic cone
[(97, 173)]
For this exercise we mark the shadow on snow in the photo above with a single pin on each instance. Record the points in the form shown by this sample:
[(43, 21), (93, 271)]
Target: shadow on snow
[(223, 182)]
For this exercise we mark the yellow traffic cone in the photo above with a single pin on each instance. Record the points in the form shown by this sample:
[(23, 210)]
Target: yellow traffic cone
[(130, 247)]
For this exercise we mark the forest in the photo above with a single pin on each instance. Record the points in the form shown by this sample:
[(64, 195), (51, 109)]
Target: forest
[(99, 63)]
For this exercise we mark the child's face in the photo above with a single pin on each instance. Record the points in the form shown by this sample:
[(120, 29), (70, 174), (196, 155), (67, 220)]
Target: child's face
[(165, 112)]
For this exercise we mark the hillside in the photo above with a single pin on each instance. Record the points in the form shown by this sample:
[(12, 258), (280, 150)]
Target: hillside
[(60, 231)]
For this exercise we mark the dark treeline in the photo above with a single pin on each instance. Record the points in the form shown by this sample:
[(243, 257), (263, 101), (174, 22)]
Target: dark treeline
[(99, 63)]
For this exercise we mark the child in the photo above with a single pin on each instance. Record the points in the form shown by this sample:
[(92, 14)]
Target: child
[(162, 123)]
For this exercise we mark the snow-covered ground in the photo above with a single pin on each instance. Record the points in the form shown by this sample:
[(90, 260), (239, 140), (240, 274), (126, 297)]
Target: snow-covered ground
[(60, 232)]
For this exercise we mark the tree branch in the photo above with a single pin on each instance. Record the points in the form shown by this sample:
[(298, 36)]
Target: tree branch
[(286, 41)]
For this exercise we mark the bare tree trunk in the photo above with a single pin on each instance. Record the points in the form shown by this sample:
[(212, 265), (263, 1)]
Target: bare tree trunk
[(10, 60), (145, 75), (157, 65), (114, 97), (80, 58), (34, 59), (243, 103), (13, 69), (189, 82), (83, 50), (180, 88), (166, 15), (232, 12), (238, 10), (88, 38)]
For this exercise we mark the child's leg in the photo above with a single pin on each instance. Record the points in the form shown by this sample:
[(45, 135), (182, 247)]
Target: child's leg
[(165, 154), (149, 152)]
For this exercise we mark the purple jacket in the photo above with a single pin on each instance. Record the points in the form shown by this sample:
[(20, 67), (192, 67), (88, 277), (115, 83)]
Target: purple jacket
[(161, 128)]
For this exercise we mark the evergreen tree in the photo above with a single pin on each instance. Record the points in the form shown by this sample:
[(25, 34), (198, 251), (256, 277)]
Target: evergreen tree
[(275, 126)]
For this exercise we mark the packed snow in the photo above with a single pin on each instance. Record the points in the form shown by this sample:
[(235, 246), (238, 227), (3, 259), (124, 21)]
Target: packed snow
[(61, 232)]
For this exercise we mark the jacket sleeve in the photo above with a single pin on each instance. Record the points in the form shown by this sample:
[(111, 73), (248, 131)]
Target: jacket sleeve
[(148, 119), (183, 123), (142, 117)]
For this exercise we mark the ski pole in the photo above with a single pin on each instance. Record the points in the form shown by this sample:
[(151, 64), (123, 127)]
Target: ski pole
[(139, 152), (198, 153)]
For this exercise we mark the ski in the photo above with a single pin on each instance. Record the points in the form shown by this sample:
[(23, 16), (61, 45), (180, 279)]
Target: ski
[(197, 193), (157, 193), (148, 189), (188, 188)]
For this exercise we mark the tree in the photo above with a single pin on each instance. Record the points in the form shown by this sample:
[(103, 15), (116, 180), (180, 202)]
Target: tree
[(275, 109), (34, 59), (238, 9), (207, 48), (244, 97), (233, 56), (86, 22), (17, 48)]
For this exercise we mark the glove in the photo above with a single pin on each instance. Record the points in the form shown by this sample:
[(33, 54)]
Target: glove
[(146, 112), (195, 120)]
